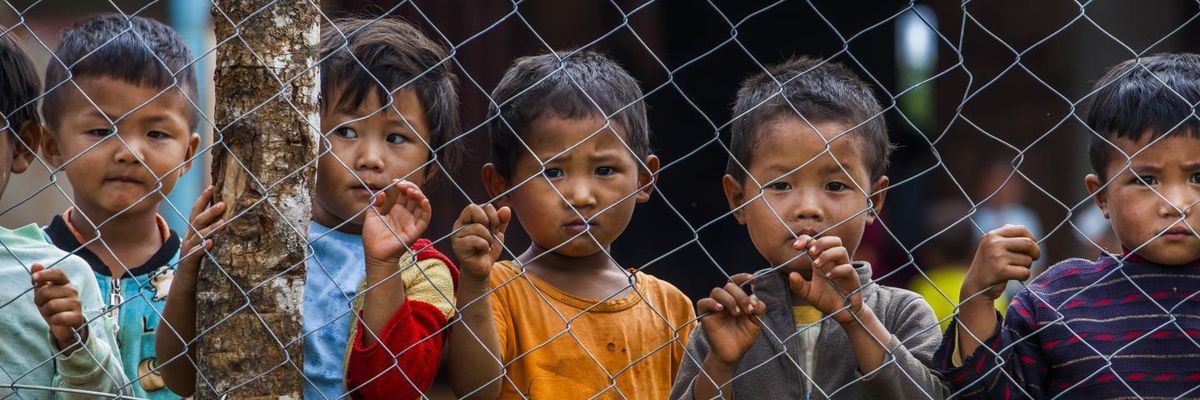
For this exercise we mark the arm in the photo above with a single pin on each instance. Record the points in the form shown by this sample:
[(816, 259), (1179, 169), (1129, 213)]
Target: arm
[(730, 320), (404, 360), (178, 325), (1009, 364), (911, 343), (1004, 254), (475, 343), (401, 216), (87, 356)]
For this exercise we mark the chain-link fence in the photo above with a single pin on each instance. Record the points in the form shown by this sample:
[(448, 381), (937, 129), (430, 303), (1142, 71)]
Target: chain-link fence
[(297, 285)]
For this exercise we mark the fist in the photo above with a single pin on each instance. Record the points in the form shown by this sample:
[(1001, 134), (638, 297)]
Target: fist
[(58, 302), (1004, 254), (479, 238)]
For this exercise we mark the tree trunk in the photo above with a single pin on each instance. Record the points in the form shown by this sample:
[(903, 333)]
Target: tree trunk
[(251, 292)]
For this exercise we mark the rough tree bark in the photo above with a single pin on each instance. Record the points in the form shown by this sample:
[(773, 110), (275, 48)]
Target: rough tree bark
[(263, 171)]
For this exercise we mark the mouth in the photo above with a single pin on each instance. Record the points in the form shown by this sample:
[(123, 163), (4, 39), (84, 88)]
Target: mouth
[(1177, 232), (124, 179), (577, 225), (367, 190), (812, 233)]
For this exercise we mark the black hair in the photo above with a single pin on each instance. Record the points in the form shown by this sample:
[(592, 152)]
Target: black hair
[(1152, 96), (565, 85), (19, 88), (821, 92), (136, 50)]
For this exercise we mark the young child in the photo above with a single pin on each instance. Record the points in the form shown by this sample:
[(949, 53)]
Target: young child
[(374, 313), (571, 157), (54, 332), (121, 125), (1122, 325), (806, 177)]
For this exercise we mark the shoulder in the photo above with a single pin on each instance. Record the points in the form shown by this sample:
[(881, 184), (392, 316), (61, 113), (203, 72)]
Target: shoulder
[(1070, 272), (661, 288), (899, 301)]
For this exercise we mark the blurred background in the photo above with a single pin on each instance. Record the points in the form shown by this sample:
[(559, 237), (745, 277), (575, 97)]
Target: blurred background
[(969, 90)]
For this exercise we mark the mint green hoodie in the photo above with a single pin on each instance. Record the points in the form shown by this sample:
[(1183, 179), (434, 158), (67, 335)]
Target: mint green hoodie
[(29, 364)]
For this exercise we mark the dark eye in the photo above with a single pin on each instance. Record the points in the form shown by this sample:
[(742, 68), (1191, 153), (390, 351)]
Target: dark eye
[(156, 134), (1195, 178), (1146, 180), (779, 186), (553, 173), (835, 186), (605, 171), (346, 132), (100, 132), (396, 138)]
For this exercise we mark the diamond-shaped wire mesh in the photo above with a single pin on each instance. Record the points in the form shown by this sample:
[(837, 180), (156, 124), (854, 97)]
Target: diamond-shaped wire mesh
[(395, 213)]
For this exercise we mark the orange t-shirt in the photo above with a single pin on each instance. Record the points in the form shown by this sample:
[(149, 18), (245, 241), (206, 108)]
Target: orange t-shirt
[(635, 342)]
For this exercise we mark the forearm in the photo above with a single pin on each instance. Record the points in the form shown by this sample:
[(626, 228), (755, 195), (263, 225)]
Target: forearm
[(711, 372), (474, 344), (175, 330), (976, 323), (869, 339), (384, 295)]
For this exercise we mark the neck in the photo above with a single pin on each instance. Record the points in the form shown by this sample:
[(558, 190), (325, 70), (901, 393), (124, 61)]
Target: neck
[(124, 237), (547, 261)]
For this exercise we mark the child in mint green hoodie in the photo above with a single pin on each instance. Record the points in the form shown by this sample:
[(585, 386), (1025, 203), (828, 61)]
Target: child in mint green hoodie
[(54, 340)]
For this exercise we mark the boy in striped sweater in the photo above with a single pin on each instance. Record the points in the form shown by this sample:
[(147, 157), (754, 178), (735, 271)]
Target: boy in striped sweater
[(1122, 326)]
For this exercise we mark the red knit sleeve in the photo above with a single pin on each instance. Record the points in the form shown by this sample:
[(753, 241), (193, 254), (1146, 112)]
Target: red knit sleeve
[(404, 361)]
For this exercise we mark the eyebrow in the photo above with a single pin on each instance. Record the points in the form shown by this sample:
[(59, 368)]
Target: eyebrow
[(1144, 168)]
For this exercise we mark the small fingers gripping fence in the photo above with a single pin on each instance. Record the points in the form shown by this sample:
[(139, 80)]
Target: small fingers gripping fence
[(722, 224)]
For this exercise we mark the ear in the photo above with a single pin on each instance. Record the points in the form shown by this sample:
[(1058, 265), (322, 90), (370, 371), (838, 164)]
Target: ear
[(647, 178), (494, 183), (1096, 189), (193, 145), (877, 195), (735, 194), (52, 151), (31, 135)]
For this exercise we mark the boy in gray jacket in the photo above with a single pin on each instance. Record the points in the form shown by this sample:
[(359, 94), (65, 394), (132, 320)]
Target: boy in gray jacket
[(806, 177)]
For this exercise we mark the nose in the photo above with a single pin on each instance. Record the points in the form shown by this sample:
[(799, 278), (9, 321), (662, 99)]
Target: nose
[(369, 157), (1180, 201), (806, 204), (578, 192), (129, 149)]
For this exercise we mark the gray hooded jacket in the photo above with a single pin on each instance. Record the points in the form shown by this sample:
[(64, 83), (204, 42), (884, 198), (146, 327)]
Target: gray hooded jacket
[(769, 370)]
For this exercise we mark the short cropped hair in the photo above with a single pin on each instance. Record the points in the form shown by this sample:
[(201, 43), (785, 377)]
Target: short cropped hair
[(1152, 96), (135, 50), (565, 85), (821, 92)]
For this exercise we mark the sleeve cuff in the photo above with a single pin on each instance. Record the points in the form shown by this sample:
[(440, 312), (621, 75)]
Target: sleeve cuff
[(84, 363)]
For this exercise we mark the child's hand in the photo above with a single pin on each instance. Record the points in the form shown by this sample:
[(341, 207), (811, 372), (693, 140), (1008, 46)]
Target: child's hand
[(479, 238), (205, 219), (832, 278), (1004, 254), (58, 302), (403, 215), (731, 320)]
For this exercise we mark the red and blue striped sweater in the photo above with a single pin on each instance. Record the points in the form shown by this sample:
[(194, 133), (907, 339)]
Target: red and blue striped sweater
[(1094, 330)]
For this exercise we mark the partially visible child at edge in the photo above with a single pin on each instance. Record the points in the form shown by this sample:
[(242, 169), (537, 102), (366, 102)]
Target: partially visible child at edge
[(820, 172), (573, 190), (56, 334), (1122, 325), (120, 127), (377, 155)]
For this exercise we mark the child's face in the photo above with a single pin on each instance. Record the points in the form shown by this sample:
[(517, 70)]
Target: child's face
[(368, 148), (600, 179), (111, 174), (818, 199), (1143, 202)]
